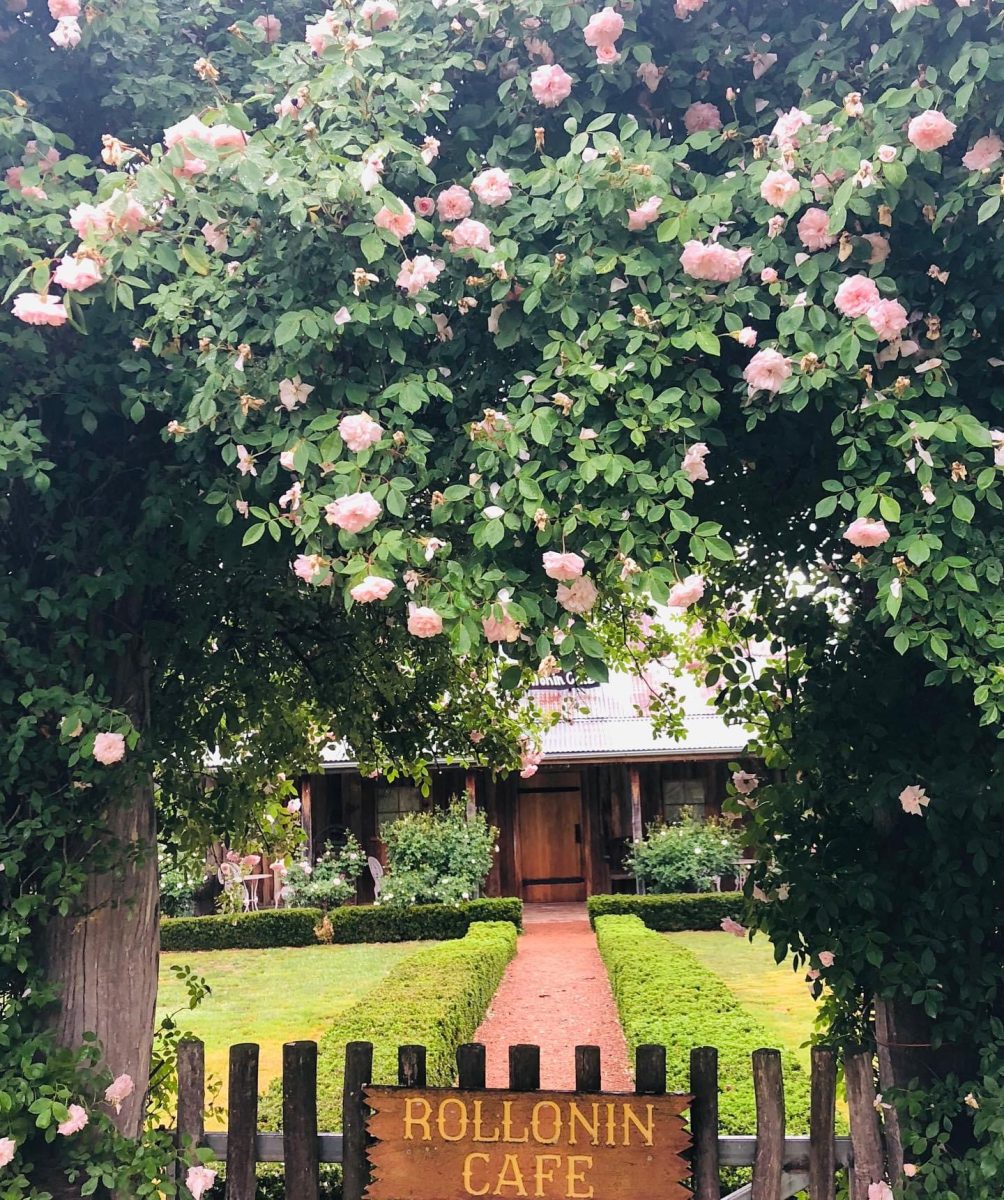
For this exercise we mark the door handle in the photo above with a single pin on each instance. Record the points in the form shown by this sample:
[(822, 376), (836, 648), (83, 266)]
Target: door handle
[(578, 835)]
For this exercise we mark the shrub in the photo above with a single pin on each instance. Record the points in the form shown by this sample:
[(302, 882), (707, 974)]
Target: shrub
[(179, 877), (437, 857), (420, 922), (684, 857), (664, 995), (331, 880), (307, 926), (436, 998), (670, 914), (242, 931)]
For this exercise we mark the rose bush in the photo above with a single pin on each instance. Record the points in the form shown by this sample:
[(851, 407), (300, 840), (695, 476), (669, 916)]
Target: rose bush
[(185, 524)]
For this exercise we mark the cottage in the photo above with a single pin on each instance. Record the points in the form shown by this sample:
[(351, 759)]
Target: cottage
[(604, 777)]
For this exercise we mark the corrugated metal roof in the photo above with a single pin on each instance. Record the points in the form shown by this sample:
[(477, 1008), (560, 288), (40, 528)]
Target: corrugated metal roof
[(610, 721)]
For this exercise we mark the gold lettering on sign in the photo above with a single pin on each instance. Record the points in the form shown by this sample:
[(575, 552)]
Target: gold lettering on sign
[(460, 1132), (452, 1144)]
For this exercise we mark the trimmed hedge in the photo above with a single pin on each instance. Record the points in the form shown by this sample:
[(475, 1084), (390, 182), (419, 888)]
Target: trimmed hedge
[(295, 926), (436, 998), (664, 995), (420, 922), (671, 914), (242, 931)]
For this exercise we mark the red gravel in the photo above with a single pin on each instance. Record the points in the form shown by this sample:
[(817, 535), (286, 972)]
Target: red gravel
[(555, 995)]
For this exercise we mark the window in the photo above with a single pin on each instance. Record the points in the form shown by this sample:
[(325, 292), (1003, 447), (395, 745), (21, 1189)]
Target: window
[(682, 794), (392, 800)]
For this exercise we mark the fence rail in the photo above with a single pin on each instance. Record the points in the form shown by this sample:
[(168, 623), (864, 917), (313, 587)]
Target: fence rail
[(782, 1165)]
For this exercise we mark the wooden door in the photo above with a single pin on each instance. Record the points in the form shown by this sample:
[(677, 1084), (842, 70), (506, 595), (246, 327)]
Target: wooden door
[(549, 816)]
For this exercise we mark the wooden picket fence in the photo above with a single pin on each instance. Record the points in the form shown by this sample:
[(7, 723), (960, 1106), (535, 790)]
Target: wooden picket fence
[(782, 1166)]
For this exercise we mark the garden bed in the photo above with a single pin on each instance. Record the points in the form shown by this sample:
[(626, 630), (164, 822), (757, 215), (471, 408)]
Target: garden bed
[(670, 913), (664, 995), (350, 924)]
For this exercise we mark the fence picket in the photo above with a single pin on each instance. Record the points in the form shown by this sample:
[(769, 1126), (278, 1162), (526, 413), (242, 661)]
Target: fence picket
[(859, 1080), (242, 1119), (587, 1068), (704, 1121), (822, 1139), (358, 1074), (524, 1068), (768, 1090), (650, 1070), (299, 1120), (191, 1101), (411, 1066), (471, 1066)]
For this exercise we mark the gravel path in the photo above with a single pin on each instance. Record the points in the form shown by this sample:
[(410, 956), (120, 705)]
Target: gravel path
[(555, 995)]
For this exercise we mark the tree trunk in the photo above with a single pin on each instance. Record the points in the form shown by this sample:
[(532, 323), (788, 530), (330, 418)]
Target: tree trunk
[(104, 957)]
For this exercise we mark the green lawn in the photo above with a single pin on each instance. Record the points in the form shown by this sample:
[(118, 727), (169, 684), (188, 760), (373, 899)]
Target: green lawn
[(273, 996), (775, 994)]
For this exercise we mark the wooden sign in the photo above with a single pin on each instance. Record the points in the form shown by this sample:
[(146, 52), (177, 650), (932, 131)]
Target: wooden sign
[(444, 1144)]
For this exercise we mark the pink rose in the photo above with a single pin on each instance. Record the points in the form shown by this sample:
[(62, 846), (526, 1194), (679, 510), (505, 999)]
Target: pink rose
[(880, 248), (454, 204), (563, 566), (119, 1090), (216, 239), (603, 28), (888, 318), (424, 622), (733, 927), (813, 229), (779, 187), (767, 370), (380, 14), (500, 629), (226, 137), (693, 465), (76, 274), (865, 532), (910, 1170), (650, 75), (713, 261), (579, 596), (309, 566), (471, 235), (77, 1118), (270, 26), (745, 782), (199, 1180), (886, 154), (914, 800), (399, 223), (606, 55), (8, 1148), (529, 761), (700, 117), (684, 8), (746, 337), (60, 9), (418, 273), (826, 958), (425, 206), (984, 153), (646, 212), (67, 33), (856, 295), (686, 593), (492, 187), (359, 431), (785, 131), (373, 587), (930, 131), (550, 85), (40, 310), (353, 513), (768, 275), (109, 748)]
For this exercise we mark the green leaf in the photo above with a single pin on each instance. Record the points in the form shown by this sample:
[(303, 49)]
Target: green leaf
[(889, 508), (196, 258), (963, 508), (254, 534), (373, 247)]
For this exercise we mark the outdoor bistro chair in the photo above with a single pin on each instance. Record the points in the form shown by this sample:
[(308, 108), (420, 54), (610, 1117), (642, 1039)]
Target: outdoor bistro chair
[(376, 870)]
